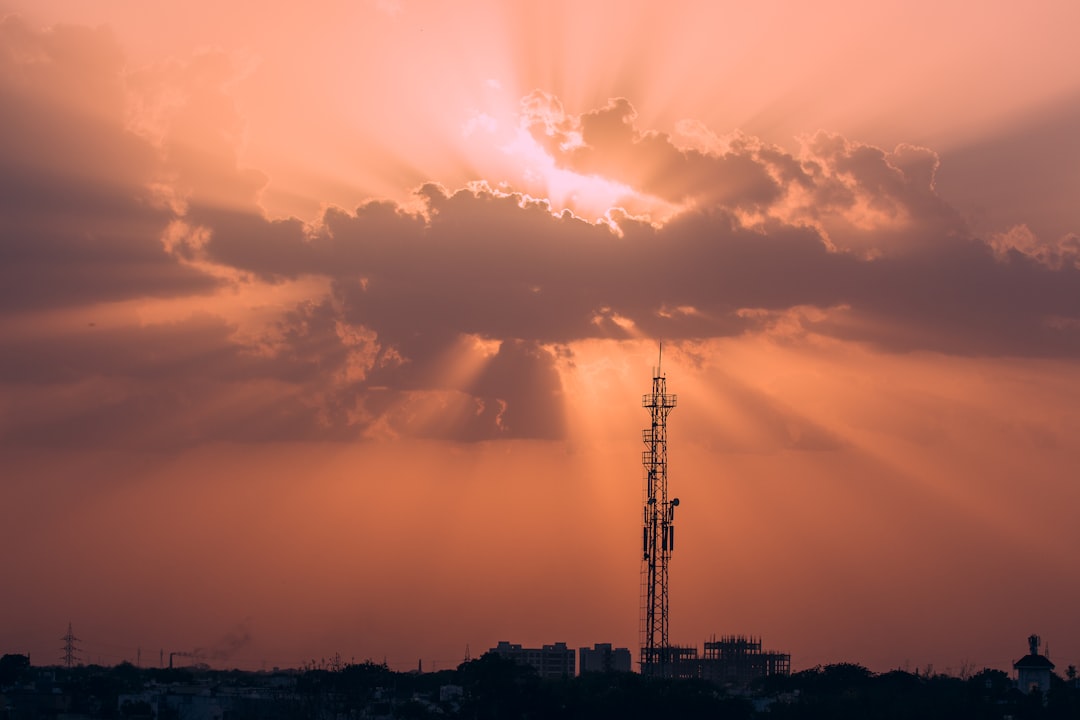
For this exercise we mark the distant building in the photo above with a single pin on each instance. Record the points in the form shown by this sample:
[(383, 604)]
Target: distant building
[(601, 657), (550, 661), (1033, 670)]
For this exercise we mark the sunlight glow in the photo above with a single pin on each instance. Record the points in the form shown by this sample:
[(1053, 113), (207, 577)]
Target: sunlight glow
[(588, 196), (464, 361)]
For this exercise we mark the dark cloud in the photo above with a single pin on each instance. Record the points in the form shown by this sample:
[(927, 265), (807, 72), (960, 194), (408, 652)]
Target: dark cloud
[(408, 285), (870, 201), (157, 353), (79, 222), (364, 379), (605, 142), (312, 377), (964, 300), (524, 387), (499, 266), (155, 387), (1025, 173)]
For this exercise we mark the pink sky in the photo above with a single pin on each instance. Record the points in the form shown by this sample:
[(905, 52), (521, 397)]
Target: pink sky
[(325, 329)]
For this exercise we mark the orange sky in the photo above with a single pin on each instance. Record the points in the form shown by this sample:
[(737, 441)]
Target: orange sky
[(325, 329)]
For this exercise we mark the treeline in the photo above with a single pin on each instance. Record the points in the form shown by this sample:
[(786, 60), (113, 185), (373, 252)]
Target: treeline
[(847, 691), (492, 688), (497, 688)]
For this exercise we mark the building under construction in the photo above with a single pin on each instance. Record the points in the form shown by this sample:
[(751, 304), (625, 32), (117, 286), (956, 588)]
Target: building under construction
[(733, 659), (738, 659)]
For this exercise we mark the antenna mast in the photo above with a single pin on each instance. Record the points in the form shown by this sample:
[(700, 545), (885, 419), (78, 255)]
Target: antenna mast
[(658, 531)]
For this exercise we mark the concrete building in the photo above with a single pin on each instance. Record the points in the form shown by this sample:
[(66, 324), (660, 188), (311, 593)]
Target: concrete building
[(550, 661), (601, 657)]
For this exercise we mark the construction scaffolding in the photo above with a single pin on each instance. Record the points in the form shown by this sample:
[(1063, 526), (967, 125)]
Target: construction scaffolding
[(739, 660)]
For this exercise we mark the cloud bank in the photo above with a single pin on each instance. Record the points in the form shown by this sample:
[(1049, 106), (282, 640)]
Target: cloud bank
[(124, 186)]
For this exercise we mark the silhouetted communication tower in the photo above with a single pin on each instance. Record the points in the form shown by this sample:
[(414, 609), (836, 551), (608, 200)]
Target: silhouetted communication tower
[(658, 533), (70, 658)]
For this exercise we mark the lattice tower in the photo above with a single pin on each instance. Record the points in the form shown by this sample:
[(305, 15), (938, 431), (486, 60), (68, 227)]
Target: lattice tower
[(70, 658), (658, 531)]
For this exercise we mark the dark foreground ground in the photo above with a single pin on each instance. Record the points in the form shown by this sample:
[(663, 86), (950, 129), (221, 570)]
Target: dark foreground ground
[(491, 687)]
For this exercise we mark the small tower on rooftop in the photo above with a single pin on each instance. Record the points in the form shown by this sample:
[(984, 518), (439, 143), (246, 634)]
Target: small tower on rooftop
[(1033, 670)]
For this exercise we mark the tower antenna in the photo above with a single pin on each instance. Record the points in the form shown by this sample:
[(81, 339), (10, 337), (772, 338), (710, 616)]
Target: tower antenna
[(658, 531)]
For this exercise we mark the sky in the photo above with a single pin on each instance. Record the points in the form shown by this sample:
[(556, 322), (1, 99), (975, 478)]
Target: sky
[(324, 328)]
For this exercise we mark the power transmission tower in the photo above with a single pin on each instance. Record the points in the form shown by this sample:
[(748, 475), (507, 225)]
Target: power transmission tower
[(70, 657), (658, 533)]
